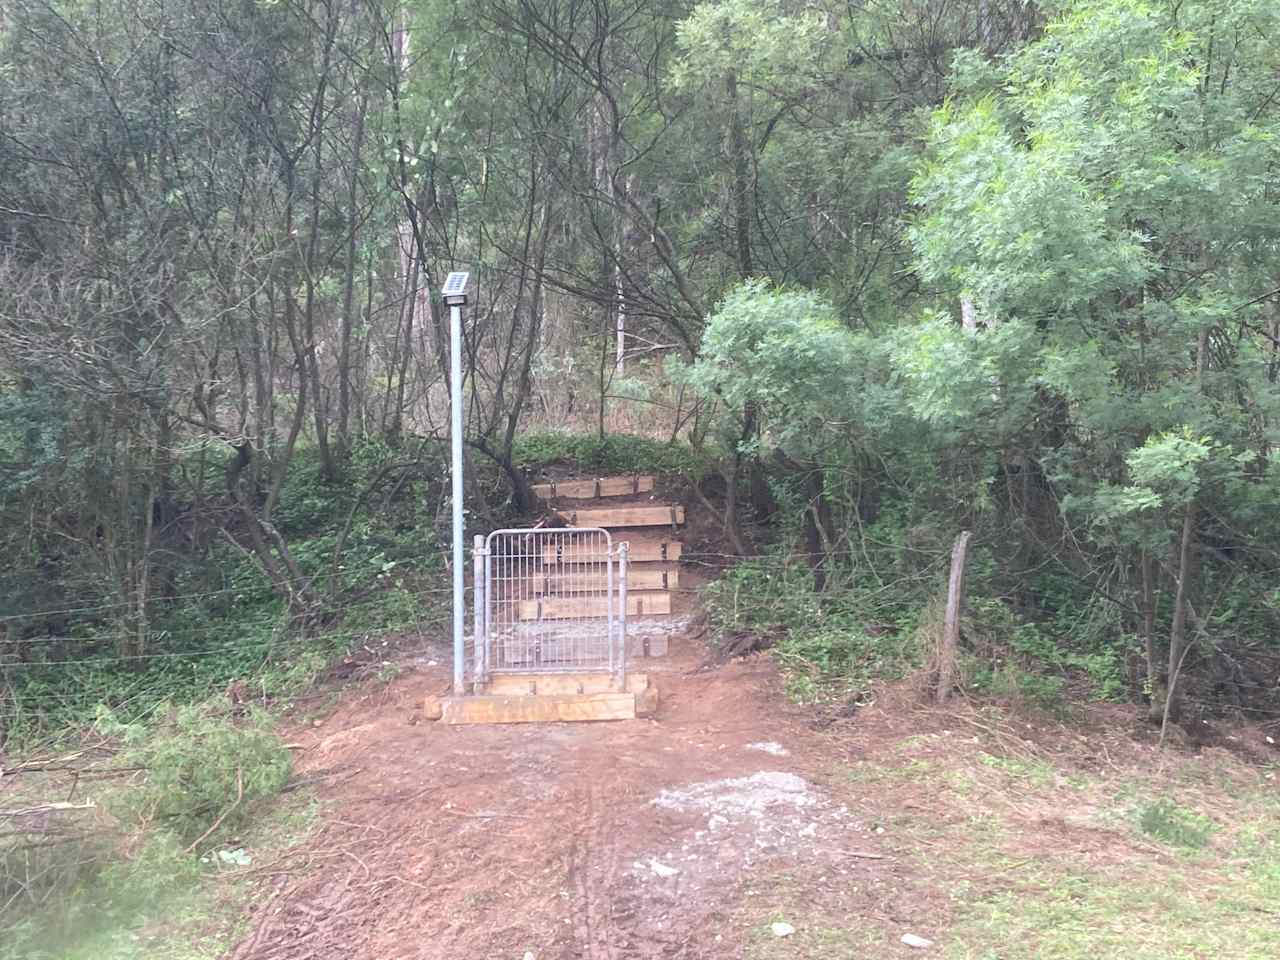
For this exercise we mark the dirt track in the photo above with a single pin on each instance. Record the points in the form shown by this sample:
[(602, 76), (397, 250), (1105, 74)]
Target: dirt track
[(559, 840)]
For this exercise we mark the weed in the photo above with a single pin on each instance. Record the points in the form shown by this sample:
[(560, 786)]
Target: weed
[(1035, 771), (615, 453), (830, 645), (203, 770), (1011, 681), (1165, 820)]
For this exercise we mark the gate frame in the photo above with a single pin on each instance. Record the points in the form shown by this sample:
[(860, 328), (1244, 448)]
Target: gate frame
[(482, 631)]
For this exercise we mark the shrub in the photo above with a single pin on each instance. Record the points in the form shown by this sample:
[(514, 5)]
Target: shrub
[(1164, 820), (837, 641), (204, 769), (615, 453)]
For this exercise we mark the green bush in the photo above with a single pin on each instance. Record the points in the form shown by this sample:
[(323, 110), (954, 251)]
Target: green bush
[(1165, 820), (201, 767), (112, 898), (1010, 681), (615, 453), (836, 641)]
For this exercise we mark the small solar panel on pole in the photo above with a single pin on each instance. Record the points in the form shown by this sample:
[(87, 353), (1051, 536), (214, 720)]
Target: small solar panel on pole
[(454, 294)]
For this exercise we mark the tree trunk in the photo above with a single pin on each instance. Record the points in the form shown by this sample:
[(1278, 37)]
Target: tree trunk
[(348, 291), (1172, 706), (1147, 626), (741, 185), (950, 641), (1178, 646)]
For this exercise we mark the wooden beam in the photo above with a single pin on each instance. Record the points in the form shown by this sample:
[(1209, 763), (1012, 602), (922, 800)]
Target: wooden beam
[(540, 709), (640, 552), (558, 684), (646, 516), (638, 578), (641, 604), (586, 489)]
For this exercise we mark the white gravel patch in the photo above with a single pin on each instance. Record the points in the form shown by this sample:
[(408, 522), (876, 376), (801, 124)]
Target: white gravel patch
[(743, 796), (731, 825)]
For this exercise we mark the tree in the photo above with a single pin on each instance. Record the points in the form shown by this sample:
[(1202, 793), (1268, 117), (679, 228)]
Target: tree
[(1109, 193)]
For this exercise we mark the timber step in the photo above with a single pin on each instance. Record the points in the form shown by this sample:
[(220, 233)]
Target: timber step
[(593, 488), (643, 551), (543, 708), (638, 578), (642, 603), (548, 698), (654, 516), (558, 684)]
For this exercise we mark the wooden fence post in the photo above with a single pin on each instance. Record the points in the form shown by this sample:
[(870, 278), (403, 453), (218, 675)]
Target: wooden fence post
[(951, 622)]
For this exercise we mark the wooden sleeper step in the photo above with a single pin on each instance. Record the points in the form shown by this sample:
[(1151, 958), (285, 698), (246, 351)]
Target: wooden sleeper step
[(639, 604), (597, 487), (550, 708), (659, 515), (559, 684), (641, 552), (638, 578)]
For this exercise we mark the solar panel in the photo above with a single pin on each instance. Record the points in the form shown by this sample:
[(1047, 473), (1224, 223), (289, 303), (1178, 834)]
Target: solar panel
[(455, 285)]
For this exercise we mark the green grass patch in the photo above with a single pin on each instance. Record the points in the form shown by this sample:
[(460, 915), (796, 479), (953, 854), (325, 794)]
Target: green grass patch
[(831, 645), (1165, 820), (168, 873), (613, 453)]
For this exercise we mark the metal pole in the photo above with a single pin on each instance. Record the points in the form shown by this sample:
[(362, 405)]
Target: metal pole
[(455, 434), (623, 550), (478, 639)]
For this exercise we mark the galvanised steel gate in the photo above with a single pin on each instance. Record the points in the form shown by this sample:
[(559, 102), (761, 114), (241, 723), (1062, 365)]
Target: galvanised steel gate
[(550, 600)]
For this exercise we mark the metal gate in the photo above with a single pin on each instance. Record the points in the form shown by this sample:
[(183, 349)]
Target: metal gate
[(550, 601)]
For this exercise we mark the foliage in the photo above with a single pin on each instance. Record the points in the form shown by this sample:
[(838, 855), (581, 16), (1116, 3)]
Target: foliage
[(143, 894), (832, 643), (613, 453), (202, 769), (783, 354), (224, 622), (1165, 820), (1091, 203)]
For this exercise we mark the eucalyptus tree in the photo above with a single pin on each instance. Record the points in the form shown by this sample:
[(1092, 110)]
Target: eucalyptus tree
[(1107, 198), (182, 217)]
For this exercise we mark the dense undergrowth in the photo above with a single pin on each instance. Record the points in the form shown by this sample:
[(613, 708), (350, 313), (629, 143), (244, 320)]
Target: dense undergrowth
[(162, 808), (612, 453), (178, 757), (874, 614), (218, 620)]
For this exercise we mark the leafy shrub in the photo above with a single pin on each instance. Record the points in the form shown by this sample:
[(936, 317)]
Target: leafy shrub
[(760, 595), (42, 864), (615, 453), (1030, 661), (838, 639), (1165, 820), (1011, 681), (202, 767), (112, 895)]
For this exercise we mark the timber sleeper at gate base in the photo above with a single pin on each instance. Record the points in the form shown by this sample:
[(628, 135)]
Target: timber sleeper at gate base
[(547, 698)]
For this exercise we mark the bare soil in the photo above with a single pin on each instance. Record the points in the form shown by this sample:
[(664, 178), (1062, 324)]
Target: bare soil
[(637, 839)]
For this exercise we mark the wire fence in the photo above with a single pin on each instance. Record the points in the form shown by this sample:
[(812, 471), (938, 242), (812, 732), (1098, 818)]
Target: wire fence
[(423, 609)]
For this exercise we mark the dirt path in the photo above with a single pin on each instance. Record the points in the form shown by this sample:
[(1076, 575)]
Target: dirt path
[(612, 841)]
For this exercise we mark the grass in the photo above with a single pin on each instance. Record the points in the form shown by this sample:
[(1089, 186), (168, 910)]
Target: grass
[(161, 904), (1011, 849)]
